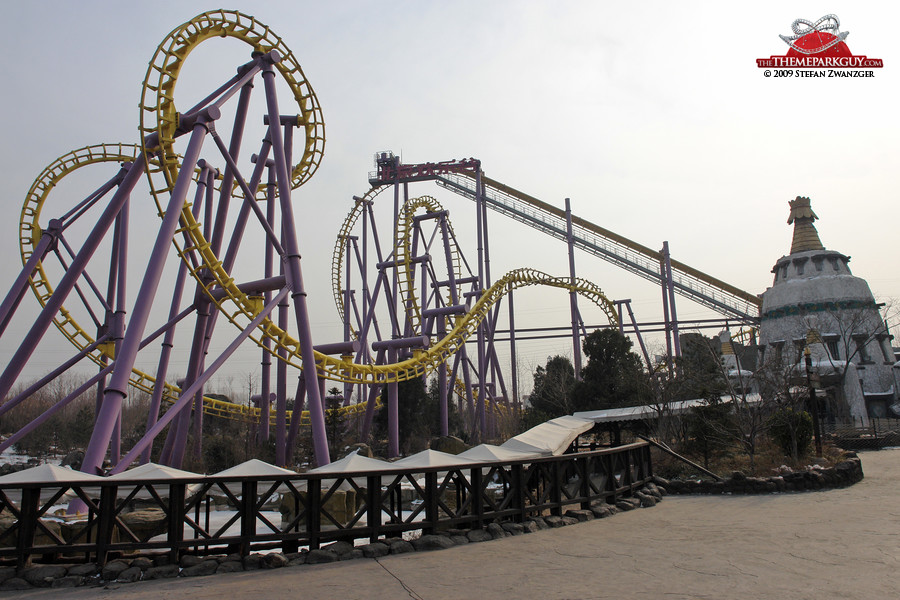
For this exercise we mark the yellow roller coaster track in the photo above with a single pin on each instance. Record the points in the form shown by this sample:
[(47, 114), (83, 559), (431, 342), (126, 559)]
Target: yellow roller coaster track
[(30, 233), (159, 116), (403, 248)]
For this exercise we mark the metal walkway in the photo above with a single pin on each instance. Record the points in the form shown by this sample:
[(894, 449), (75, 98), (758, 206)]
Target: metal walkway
[(721, 297)]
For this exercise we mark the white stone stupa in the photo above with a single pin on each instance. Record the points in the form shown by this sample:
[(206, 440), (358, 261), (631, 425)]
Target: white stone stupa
[(816, 302)]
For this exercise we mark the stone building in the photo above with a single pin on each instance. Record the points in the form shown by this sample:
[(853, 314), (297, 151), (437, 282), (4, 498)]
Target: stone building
[(816, 302)]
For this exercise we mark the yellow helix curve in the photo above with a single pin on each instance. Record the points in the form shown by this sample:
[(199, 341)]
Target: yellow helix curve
[(158, 111), (339, 255), (30, 233), (402, 250)]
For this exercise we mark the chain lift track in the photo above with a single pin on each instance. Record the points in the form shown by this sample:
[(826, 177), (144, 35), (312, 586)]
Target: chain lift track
[(704, 289)]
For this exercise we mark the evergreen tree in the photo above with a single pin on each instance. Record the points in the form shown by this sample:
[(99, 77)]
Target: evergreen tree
[(552, 393), (613, 376)]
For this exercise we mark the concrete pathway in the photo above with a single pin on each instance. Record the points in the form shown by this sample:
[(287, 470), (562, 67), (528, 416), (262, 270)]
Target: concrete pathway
[(837, 544)]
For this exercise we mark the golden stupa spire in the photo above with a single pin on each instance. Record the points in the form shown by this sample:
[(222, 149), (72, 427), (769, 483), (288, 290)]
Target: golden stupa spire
[(805, 235)]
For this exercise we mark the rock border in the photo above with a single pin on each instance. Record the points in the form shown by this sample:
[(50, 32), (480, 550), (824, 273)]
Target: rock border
[(843, 474), (142, 568)]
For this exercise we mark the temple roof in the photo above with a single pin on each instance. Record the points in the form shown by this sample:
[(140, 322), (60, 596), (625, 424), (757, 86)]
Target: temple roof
[(805, 235)]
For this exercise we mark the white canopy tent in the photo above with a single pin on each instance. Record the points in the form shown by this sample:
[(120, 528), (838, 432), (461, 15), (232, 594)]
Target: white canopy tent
[(349, 464), (47, 474), (251, 468), (151, 472)]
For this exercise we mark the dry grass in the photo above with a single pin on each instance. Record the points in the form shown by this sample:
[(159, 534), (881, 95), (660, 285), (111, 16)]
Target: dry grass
[(767, 460)]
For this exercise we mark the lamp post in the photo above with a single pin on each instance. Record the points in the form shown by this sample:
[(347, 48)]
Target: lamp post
[(814, 403)]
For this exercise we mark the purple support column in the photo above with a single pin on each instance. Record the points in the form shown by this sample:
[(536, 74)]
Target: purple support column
[(665, 301), (670, 288), (467, 381), (293, 272), (296, 415), (195, 367), (176, 442), (267, 341), (348, 387), (393, 408), (442, 383), (234, 149), (116, 391), (512, 349), (118, 329), (480, 335), (166, 351), (281, 389), (573, 296), (20, 286), (637, 332), (42, 322), (374, 389)]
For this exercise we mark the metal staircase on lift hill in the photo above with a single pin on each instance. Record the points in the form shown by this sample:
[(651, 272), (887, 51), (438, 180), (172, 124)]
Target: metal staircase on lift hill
[(611, 247)]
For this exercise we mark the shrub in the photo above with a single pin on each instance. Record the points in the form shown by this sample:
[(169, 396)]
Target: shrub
[(792, 430)]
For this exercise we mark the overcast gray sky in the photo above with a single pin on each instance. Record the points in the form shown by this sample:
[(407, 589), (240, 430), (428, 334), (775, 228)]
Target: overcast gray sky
[(652, 117)]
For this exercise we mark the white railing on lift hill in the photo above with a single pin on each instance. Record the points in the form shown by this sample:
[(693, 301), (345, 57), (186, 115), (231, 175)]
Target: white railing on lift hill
[(613, 251)]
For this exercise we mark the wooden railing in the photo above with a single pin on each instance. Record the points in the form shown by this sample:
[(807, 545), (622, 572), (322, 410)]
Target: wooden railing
[(315, 508)]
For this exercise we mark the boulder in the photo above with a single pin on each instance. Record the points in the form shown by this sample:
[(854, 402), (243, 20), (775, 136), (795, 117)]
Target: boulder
[(207, 567), (14, 584), (375, 550), (111, 570), (252, 562), (496, 531), (449, 444), (141, 562), (319, 555), (601, 511), (129, 575), (230, 566), (513, 528), (340, 548), (161, 572), (432, 542), (646, 499), (69, 581), (362, 450), (190, 560), (274, 560), (401, 547), (479, 535), (580, 515), (73, 459), (554, 521), (146, 523), (530, 526), (43, 576)]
